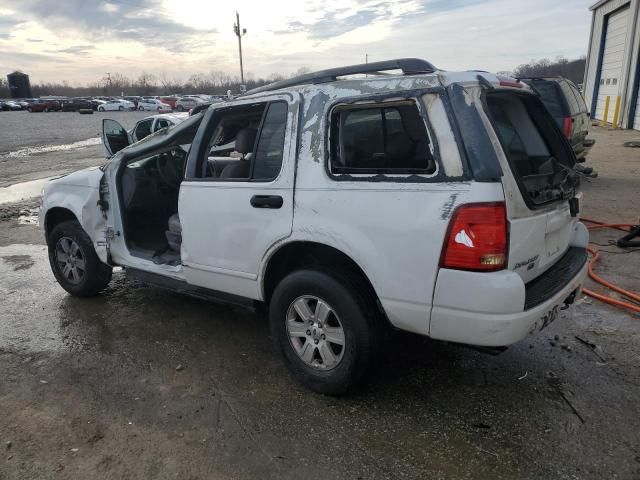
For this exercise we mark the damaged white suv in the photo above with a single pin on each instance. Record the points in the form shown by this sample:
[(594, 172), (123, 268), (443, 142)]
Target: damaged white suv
[(440, 203)]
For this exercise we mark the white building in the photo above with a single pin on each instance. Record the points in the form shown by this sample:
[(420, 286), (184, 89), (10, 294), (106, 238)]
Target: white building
[(613, 61)]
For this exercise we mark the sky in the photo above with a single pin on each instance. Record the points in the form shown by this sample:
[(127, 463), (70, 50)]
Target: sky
[(81, 40)]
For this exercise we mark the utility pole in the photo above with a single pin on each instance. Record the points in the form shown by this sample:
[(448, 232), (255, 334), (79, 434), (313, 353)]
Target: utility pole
[(239, 33)]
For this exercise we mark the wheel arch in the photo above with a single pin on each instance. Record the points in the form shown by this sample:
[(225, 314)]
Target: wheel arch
[(302, 253), (55, 216)]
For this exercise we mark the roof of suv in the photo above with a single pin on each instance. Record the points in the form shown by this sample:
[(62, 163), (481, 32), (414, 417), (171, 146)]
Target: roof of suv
[(377, 75)]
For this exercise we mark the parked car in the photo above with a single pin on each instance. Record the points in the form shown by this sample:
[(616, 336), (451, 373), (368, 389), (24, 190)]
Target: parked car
[(171, 101), (186, 103), (95, 103), (143, 128), (568, 108), (40, 105), (152, 104), (443, 204), (120, 105), (10, 105), (75, 104)]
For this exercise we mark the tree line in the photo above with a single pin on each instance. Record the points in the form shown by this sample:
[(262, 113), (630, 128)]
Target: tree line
[(560, 67), (116, 84), (218, 82)]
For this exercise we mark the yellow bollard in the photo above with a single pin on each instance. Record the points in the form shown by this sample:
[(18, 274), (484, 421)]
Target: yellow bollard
[(616, 112), (606, 111)]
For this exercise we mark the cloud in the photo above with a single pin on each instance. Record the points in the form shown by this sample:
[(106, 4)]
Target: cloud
[(139, 20), (5, 36), (75, 49), (34, 40)]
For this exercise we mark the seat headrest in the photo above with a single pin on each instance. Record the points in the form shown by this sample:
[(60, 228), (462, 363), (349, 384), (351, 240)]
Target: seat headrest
[(245, 140)]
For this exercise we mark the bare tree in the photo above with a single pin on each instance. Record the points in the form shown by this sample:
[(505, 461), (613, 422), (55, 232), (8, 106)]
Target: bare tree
[(561, 66)]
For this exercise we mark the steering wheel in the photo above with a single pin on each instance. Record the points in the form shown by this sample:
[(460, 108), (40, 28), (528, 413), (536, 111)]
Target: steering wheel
[(170, 167)]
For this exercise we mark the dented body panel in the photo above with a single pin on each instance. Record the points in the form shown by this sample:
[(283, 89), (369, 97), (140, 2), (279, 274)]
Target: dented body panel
[(79, 193)]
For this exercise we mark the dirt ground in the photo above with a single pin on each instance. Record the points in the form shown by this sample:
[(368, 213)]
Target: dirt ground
[(141, 383)]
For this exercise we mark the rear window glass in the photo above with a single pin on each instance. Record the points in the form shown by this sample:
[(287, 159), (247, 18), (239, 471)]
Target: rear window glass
[(550, 95), (380, 140), (536, 152)]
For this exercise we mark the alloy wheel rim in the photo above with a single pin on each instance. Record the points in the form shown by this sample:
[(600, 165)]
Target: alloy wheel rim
[(315, 332), (70, 260)]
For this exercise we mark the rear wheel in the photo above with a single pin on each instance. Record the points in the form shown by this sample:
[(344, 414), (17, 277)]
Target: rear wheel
[(45, 109), (326, 329), (180, 108), (121, 108), (30, 110), (101, 109), (141, 108), (74, 262)]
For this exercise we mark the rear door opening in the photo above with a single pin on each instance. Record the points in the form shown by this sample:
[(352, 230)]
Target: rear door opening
[(540, 159)]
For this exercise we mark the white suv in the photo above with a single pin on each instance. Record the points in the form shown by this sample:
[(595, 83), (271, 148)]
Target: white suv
[(444, 204)]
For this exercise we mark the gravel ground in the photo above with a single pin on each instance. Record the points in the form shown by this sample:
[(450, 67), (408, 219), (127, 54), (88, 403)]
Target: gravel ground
[(23, 129), (142, 383), (40, 145)]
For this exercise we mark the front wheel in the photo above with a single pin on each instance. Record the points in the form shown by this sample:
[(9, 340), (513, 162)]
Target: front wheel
[(180, 108), (45, 110), (100, 109), (121, 108), (74, 261), (141, 109), (326, 329)]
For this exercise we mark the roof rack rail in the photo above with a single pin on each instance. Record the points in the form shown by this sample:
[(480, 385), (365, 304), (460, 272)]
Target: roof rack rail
[(409, 66)]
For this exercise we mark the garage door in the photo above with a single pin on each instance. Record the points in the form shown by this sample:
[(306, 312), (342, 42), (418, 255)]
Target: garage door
[(612, 61)]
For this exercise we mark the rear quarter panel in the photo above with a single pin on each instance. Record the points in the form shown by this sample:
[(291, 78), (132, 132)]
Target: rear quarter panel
[(393, 230)]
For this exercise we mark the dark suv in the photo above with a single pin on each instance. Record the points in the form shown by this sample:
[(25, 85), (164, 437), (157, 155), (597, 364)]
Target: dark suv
[(563, 99), (75, 104)]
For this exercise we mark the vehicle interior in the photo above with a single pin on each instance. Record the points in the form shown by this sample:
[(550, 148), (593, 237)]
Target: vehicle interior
[(534, 146), (148, 190), (148, 187), (232, 143), (380, 140)]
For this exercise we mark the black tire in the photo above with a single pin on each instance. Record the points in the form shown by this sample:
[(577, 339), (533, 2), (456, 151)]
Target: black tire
[(358, 316), (100, 109), (121, 108), (30, 110), (97, 275), (180, 108), (141, 108)]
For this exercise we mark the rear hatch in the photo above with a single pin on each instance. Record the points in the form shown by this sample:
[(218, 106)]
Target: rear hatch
[(538, 179)]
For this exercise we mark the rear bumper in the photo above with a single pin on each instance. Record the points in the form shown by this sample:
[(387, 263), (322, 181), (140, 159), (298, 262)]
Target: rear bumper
[(488, 309)]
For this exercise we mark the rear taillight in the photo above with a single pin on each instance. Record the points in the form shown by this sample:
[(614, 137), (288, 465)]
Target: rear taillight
[(477, 238), (567, 126)]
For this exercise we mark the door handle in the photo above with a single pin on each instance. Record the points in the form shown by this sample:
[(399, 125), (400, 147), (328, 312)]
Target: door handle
[(266, 201)]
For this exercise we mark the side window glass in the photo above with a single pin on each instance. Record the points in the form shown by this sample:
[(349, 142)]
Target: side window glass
[(143, 129), (267, 160), (582, 106), (571, 98), (380, 140), (160, 124)]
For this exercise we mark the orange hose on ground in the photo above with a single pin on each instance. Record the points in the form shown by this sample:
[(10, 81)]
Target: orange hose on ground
[(625, 227)]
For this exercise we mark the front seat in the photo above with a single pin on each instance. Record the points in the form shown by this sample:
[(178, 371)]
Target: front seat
[(245, 140), (174, 234)]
